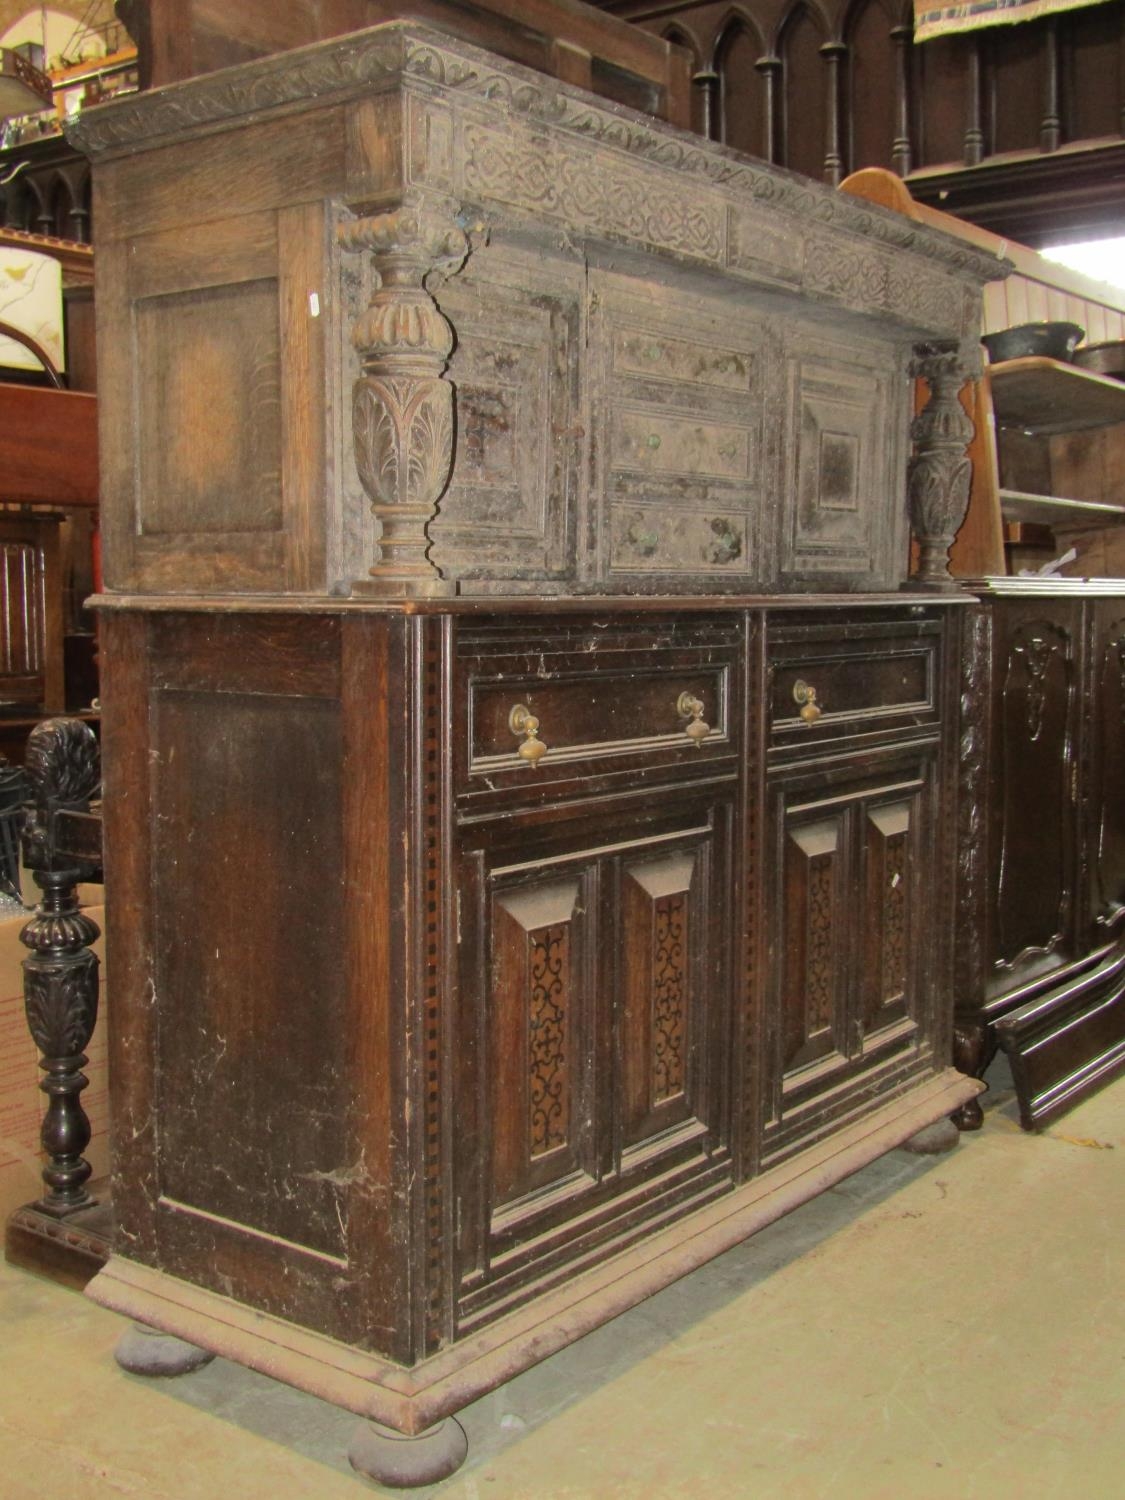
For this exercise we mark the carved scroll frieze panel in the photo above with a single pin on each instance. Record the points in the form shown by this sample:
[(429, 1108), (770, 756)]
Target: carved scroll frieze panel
[(512, 504), (679, 389), (540, 1041), (1108, 726), (845, 469), (1034, 875)]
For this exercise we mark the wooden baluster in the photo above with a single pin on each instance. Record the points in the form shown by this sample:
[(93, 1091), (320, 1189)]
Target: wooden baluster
[(61, 975), (974, 132), (901, 151), (832, 52), (1050, 129), (770, 69), (707, 83)]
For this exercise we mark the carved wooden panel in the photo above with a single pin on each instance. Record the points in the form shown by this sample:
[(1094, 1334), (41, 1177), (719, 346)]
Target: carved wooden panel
[(813, 940), (1034, 877), (511, 507), (890, 854), (540, 1038), (660, 929), (682, 470), (841, 454), (1107, 722)]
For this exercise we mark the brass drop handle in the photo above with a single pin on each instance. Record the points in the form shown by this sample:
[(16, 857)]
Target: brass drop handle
[(689, 707), (522, 721), (805, 694)]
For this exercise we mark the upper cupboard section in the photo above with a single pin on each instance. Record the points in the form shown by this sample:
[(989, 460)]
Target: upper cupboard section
[(452, 327)]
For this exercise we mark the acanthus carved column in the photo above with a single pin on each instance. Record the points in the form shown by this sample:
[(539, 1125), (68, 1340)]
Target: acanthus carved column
[(61, 974), (940, 471), (402, 406)]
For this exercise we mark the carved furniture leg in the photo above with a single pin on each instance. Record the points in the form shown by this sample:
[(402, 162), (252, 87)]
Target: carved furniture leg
[(146, 1351), (401, 1462), (61, 975), (940, 471), (974, 1047)]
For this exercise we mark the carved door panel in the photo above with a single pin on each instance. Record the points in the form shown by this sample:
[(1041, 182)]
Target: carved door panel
[(1033, 833), (1106, 721), (594, 1036), (847, 937)]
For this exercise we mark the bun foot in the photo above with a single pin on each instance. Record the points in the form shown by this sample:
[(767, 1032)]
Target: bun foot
[(393, 1459), (146, 1351), (941, 1136), (969, 1117)]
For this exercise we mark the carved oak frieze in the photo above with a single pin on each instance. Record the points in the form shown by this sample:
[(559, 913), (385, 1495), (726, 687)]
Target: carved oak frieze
[(402, 408)]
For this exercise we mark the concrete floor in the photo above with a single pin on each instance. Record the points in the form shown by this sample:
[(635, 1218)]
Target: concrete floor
[(951, 1327)]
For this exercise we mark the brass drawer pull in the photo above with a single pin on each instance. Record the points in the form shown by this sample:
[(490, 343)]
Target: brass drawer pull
[(522, 721), (689, 707), (805, 694)]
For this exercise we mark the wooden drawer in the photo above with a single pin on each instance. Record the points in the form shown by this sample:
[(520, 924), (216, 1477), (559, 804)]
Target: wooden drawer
[(611, 703), (851, 677)]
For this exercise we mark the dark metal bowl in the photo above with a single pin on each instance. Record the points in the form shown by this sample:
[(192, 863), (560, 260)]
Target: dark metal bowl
[(1047, 340), (1103, 359)]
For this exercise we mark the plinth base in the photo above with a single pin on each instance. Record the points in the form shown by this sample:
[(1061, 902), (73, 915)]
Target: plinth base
[(69, 1250)]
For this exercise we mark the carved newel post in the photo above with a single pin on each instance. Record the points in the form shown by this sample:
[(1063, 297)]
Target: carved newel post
[(402, 407), (940, 471), (61, 975)]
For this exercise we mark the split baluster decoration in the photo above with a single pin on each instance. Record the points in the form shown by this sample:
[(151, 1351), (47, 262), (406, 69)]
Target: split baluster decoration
[(61, 974), (940, 471)]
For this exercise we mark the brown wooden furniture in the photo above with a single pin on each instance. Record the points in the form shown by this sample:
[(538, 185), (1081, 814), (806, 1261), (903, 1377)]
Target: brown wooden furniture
[(562, 37), (530, 799), (1040, 958)]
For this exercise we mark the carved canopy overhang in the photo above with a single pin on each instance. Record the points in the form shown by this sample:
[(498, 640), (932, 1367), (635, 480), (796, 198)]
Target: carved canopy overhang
[(498, 139)]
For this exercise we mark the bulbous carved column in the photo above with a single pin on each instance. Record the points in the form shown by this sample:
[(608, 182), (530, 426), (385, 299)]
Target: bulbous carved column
[(61, 975), (402, 407), (940, 470)]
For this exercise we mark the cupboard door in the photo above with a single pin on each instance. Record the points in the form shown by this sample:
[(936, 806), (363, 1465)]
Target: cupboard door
[(848, 935), (1106, 822), (1033, 841), (592, 1092)]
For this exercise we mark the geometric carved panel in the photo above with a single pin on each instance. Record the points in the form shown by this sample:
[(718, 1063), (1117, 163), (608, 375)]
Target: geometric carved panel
[(813, 972), (536, 1036), (657, 1020), (836, 466), (1109, 722), (887, 919), (209, 418)]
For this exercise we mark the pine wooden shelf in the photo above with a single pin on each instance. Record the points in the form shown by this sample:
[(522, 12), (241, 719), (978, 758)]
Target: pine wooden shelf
[(1048, 396), (1051, 510)]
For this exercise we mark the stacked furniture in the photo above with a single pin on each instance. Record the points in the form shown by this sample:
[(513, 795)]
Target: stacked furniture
[(531, 797), (1041, 941)]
